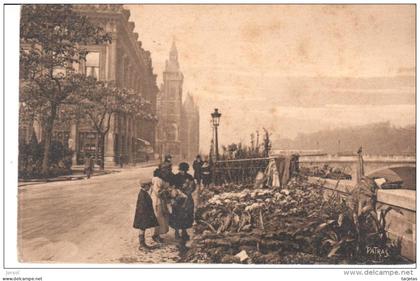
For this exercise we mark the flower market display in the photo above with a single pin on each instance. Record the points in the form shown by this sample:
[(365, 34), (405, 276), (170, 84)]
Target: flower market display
[(289, 225)]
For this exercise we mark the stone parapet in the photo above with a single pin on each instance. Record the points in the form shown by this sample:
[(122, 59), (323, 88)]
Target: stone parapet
[(401, 222)]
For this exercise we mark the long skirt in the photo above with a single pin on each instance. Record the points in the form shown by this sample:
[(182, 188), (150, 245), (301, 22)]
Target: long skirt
[(162, 215), (182, 216)]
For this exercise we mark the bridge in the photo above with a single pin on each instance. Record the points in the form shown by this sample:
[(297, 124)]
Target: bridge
[(404, 166)]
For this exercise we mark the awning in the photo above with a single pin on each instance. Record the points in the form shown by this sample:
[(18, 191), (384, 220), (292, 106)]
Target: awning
[(144, 141)]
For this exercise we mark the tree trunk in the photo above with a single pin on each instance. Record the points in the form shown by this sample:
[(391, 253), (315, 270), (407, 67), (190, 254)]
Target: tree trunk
[(97, 147), (102, 149), (47, 140)]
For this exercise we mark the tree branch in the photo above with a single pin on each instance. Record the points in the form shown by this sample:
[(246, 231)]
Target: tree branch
[(108, 123)]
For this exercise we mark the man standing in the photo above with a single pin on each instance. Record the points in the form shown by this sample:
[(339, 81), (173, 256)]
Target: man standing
[(198, 163), (88, 166), (197, 166), (121, 161)]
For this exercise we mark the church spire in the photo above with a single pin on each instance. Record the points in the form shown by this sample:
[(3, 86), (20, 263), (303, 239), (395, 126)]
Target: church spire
[(172, 64), (174, 52)]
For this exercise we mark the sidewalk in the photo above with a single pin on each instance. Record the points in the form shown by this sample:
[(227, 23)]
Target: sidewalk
[(78, 173)]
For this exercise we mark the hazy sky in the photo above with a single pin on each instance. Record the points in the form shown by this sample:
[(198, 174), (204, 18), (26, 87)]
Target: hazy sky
[(290, 68)]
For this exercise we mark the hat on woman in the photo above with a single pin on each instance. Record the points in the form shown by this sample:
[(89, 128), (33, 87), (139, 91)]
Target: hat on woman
[(183, 166)]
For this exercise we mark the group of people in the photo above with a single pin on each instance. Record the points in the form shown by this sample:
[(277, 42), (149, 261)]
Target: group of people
[(167, 200)]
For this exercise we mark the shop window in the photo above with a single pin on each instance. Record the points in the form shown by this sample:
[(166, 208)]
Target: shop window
[(87, 142)]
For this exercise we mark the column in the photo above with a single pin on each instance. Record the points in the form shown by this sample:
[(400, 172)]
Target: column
[(109, 144), (73, 142), (127, 138), (38, 130), (120, 147)]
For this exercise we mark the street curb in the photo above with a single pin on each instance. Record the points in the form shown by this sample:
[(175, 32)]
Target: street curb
[(82, 176), (65, 179)]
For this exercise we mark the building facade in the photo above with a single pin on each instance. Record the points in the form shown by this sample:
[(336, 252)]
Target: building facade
[(190, 129), (130, 139), (177, 130)]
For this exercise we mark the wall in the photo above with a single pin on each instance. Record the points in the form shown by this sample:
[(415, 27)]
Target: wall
[(401, 224)]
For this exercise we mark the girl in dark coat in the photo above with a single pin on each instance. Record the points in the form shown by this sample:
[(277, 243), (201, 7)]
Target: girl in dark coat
[(182, 216), (145, 216)]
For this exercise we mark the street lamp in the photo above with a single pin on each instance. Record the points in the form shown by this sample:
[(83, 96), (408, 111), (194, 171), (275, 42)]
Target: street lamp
[(215, 116)]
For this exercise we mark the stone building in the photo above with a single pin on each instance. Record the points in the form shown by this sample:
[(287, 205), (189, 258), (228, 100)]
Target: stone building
[(177, 130), (130, 66), (190, 129)]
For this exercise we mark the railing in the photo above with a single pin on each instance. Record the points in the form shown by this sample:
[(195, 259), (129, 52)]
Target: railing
[(244, 171), (239, 171)]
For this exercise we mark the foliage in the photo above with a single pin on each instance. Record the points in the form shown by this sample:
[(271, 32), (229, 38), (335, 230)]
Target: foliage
[(326, 172), (31, 155), (266, 143), (98, 101), (291, 225), (254, 150), (352, 225), (53, 37), (271, 225)]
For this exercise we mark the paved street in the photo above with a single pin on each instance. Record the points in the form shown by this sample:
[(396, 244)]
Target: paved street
[(86, 221)]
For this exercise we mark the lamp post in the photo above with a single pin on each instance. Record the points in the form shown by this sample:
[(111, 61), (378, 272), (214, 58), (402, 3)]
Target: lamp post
[(215, 116)]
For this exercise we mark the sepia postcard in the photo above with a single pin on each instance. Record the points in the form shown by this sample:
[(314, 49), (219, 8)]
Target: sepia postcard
[(233, 135)]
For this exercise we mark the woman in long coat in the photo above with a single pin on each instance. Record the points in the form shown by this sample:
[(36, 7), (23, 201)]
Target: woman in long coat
[(145, 216), (158, 195), (182, 216)]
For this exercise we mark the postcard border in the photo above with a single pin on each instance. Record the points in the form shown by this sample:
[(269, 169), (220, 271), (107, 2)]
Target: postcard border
[(181, 266)]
